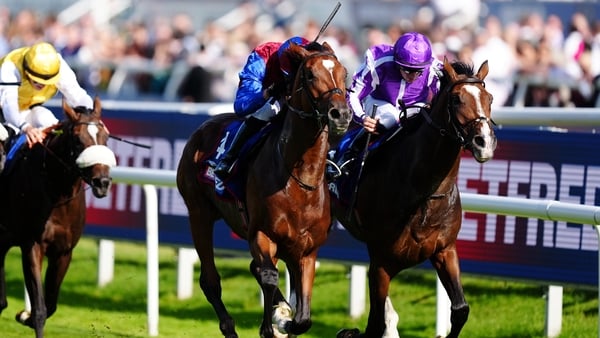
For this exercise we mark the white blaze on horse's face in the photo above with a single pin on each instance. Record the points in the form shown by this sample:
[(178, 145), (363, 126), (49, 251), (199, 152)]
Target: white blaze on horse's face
[(486, 132), (93, 131), (329, 65), (97, 153)]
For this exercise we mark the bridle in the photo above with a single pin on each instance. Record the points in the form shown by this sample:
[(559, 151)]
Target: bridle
[(314, 113), (461, 132), (73, 153), (314, 101)]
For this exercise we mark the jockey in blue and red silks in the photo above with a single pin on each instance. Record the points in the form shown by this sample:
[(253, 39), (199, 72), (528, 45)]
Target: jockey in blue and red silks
[(264, 75), (406, 72)]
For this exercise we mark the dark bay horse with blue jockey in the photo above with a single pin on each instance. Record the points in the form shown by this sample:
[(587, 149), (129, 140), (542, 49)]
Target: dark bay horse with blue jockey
[(407, 208), (42, 204), (284, 208)]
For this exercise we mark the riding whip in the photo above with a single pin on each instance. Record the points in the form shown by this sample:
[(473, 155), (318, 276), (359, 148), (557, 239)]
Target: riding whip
[(10, 83), (130, 142), (360, 168), (326, 23)]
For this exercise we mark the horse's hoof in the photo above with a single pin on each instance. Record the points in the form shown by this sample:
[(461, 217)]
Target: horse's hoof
[(348, 333), (22, 317), (282, 316)]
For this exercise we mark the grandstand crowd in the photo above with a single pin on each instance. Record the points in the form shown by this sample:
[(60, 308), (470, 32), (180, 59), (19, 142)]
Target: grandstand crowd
[(558, 61)]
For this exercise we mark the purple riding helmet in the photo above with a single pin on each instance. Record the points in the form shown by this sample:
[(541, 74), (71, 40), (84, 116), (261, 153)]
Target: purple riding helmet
[(284, 62), (413, 50)]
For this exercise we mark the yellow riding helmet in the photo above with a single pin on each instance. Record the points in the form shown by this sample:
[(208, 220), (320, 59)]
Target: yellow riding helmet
[(42, 63)]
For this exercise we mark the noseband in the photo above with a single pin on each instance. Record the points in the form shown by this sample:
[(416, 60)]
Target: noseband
[(463, 133)]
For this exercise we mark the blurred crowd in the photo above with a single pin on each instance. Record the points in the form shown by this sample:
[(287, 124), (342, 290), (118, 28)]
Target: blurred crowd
[(535, 61)]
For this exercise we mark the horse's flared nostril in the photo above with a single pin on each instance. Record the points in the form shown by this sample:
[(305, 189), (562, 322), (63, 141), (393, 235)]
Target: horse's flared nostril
[(479, 141), (102, 182), (334, 114)]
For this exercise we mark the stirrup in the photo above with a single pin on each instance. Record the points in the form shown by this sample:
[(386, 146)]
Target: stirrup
[(332, 171), (347, 158)]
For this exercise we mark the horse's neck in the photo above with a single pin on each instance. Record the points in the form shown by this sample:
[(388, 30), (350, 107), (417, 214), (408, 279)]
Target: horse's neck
[(303, 143), (62, 173), (422, 159)]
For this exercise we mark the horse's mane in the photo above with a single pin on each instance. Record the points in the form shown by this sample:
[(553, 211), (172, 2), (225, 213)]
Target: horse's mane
[(313, 47), (83, 110), (459, 67)]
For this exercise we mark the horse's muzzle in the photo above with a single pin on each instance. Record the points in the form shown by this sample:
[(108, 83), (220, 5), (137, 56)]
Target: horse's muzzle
[(483, 147), (339, 120), (100, 186)]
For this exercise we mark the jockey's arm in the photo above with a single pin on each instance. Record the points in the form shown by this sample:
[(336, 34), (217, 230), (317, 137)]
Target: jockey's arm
[(9, 95), (70, 88)]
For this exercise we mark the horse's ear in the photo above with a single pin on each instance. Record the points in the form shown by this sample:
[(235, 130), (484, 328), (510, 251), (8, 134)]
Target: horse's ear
[(97, 106), (327, 48), (450, 70), (297, 52), (483, 70), (69, 111)]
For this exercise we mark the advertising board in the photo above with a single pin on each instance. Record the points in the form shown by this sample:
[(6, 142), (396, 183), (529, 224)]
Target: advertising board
[(530, 163)]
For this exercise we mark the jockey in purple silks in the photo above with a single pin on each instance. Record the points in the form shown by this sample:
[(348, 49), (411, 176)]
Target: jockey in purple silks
[(267, 68), (405, 72)]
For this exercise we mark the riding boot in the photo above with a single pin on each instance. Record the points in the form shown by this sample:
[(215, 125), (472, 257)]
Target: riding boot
[(250, 127), (355, 149)]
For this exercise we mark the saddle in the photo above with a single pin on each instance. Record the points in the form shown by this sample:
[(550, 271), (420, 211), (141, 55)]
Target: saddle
[(233, 188), (13, 146)]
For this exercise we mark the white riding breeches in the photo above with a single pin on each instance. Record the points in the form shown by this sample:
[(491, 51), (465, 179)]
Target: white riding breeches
[(39, 117), (388, 114)]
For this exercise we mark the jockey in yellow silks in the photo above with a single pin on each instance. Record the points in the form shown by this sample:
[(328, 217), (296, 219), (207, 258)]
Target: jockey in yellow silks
[(30, 76)]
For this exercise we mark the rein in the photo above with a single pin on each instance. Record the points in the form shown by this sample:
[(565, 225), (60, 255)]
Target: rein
[(314, 113), (459, 130), (69, 167)]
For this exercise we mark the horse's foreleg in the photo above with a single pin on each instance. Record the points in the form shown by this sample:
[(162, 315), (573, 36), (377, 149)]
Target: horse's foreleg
[(55, 274), (303, 278), (261, 248), (379, 284), (210, 281), (448, 270), (278, 297), (3, 300), (31, 259)]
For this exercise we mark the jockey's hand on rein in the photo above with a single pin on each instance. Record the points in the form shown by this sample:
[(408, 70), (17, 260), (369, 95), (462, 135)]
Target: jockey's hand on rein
[(34, 135)]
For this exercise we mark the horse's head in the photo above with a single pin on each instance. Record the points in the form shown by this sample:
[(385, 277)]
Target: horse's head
[(88, 136), (323, 80), (469, 108)]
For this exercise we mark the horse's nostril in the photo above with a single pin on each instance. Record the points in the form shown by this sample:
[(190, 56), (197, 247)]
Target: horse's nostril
[(102, 182), (334, 114), (479, 141)]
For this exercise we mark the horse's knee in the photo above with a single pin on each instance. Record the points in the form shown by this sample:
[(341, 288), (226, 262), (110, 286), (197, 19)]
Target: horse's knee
[(209, 286), (269, 277)]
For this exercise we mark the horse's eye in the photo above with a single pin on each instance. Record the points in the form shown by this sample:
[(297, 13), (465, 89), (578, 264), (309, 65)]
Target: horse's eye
[(455, 100), (310, 76)]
